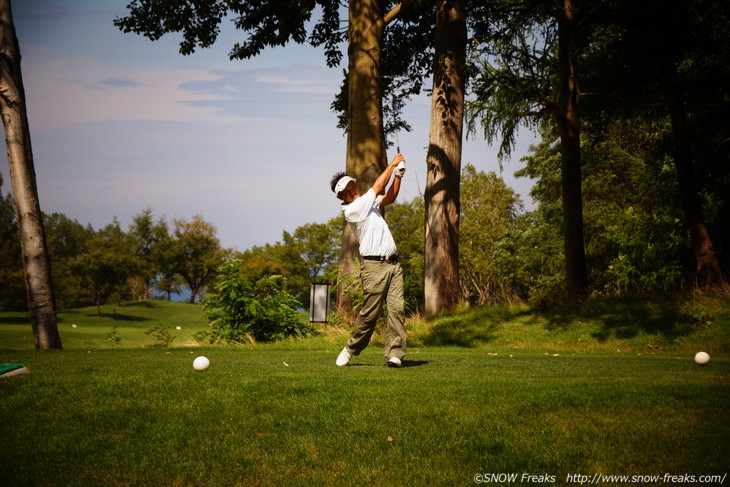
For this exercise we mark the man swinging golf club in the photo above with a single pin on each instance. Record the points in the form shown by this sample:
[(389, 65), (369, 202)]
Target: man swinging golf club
[(381, 274)]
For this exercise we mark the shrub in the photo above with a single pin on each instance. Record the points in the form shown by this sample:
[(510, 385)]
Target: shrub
[(162, 335), (240, 309)]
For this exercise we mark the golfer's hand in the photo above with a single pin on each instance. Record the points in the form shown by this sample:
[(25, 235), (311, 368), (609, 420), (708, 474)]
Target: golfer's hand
[(400, 169), (397, 159)]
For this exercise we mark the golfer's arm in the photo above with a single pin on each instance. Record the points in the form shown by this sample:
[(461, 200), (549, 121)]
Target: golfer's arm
[(382, 180), (392, 192)]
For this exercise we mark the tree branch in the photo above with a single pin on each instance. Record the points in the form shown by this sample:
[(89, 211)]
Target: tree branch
[(390, 16)]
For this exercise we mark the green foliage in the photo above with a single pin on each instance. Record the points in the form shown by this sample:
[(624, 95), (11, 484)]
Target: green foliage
[(101, 271), (263, 24), (67, 239), (489, 210), (162, 335), (239, 309), (113, 337), (150, 242), (308, 254), (634, 235), (12, 283), (531, 255), (351, 286), (196, 253), (406, 223), (515, 76)]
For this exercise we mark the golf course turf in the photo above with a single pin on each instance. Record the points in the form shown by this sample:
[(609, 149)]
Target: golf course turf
[(284, 414)]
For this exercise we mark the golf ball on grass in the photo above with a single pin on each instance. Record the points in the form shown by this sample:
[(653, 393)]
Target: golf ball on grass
[(201, 363), (702, 358)]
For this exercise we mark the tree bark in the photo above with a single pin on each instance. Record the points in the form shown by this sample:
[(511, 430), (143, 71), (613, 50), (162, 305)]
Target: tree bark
[(708, 269), (347, 272), (569, 127), (36, 262), (442, 203)]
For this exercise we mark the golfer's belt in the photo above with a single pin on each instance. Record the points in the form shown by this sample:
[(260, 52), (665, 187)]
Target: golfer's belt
[(391, 259)]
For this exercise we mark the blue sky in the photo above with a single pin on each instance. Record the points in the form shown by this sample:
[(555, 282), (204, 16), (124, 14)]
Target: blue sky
[(120, 124)]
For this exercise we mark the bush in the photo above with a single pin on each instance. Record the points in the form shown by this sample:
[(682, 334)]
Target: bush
[(161, 333), (240, 309)]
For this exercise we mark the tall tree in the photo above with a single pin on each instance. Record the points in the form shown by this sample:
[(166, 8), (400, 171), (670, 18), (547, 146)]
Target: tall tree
[(36, 262), (441, 249), (366, 154), (677, 50), (103, 270), (274, 23), (197, 253), (66, 240), (568, 120), (149, 238), (528, 84)]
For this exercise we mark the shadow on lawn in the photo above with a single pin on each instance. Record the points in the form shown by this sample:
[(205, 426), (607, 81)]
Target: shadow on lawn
[(121, 317), (469, 329), (624, 318), (112, 316), (140, 304), (406, 363), (15, 320)]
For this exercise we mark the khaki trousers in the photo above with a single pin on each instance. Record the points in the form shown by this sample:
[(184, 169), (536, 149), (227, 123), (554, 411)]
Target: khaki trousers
[(381, 281)]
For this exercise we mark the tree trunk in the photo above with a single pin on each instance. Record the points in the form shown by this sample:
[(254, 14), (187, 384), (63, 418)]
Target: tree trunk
[(347, 272), (569, 126), (36, 262), (708, 272), (366, 157), (442, 204)]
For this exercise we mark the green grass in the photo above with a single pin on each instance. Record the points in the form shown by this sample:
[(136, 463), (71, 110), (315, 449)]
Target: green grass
[(82, 328), (494, 390), (277, 415)]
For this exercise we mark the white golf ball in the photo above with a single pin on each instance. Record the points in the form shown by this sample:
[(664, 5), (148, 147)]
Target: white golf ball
[(201, 363), (702, 358)]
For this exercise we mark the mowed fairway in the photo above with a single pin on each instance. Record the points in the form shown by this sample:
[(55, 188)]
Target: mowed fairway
[(285, 415)]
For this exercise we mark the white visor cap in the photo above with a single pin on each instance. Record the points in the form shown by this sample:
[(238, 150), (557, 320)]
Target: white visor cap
[(342, 184)]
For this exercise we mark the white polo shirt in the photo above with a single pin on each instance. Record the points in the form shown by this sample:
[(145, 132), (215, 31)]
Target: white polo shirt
[(372, 231)]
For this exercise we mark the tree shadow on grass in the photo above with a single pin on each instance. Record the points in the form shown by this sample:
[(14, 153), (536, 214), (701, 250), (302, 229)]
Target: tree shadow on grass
[(624, 318), (15, 320), (140, 304), (122, 317), (470, 329), (459, 335), (112, 316)]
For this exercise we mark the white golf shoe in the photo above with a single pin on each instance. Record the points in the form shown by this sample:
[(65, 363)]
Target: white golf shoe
[(343, 358), (393, 362)]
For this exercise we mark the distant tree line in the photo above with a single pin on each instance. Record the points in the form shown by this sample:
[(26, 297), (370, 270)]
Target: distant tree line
[(111, 264), (636, 241)]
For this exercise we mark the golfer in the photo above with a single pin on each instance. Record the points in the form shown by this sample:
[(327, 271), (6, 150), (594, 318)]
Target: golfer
[(381, 273)]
